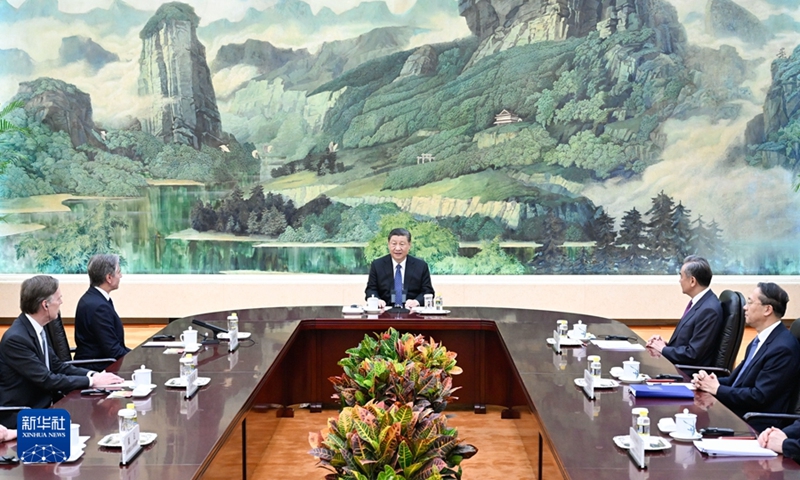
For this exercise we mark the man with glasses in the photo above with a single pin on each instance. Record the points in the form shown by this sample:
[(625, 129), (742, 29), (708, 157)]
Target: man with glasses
[(98, 328), (695, 340), (31, 374), (767, 379)]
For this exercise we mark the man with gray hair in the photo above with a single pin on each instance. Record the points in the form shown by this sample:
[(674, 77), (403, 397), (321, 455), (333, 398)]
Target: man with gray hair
[(695, 340), (98, 328), (32, 374)]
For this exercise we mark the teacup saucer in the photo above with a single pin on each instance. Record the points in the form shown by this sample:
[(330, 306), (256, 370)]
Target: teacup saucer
[(640, 379), (679, 437)]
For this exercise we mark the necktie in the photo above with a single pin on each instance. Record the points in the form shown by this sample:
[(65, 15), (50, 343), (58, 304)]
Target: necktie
[(688, 307), (747, 361), (44, 349), (398, 285)]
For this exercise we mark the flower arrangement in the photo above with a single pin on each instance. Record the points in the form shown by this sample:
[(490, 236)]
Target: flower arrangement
[(393, 391)]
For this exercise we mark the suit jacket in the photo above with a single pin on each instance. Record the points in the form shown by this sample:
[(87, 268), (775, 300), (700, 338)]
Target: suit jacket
[(416, 281), (98, 330), (770, 382), (695, 340), (25, 379)]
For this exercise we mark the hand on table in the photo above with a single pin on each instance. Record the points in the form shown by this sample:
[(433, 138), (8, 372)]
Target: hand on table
[(411, 303), (656, 343), (772, 438), (706, 382), (105, 379)]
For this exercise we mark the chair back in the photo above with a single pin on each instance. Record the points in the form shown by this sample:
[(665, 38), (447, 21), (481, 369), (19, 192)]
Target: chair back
[(57, 338), (732, 328), (795, 329)]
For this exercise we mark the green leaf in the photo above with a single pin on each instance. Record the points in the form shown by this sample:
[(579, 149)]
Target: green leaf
[(404, 457), (367, 433)]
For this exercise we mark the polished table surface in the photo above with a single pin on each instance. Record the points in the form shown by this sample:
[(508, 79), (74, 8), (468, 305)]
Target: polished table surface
[(579, 430)]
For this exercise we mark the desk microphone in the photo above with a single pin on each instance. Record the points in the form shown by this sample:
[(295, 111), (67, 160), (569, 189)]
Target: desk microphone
[(217, 330)]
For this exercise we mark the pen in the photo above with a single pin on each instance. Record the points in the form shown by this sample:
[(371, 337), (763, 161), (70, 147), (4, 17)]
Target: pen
[(660, 380)]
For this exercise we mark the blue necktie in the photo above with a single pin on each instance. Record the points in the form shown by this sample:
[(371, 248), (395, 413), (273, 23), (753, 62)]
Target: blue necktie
[(747, 361), (398, 285)]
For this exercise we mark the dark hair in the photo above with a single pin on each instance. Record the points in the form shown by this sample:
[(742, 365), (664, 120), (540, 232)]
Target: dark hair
[(400, 232), (34, 291), (100, 266), (774, 296), (698, 268)]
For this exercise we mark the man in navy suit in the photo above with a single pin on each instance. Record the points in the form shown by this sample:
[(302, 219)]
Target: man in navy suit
[(399, 270), (98, 328), (695, 340), (31, 374), (767, 380)]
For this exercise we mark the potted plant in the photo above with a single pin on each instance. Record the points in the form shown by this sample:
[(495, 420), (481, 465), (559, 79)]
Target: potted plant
[(397, 368), (393, 391), (401, 442)]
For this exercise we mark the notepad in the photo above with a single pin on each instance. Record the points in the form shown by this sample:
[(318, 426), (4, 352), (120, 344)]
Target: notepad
[(733, 448), (661, 391), (619, 345)]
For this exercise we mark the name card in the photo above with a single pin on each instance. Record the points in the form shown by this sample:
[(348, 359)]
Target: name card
[(233, 341), (43, 435), (129, 440), (588, 384), (191, 384), (637, 448), (556, 341)]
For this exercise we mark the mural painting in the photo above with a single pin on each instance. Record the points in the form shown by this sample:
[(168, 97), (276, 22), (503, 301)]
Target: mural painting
[(511, 136)]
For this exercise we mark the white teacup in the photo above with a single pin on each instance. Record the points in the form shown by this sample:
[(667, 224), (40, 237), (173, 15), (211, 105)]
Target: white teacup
[(580, 329), (142, 377), (630, 368), (75, 436), (189, 337), (685, 424), (372, 303)]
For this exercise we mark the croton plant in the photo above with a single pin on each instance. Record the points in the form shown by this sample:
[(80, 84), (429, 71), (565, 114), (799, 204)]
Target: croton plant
[(393, 391)]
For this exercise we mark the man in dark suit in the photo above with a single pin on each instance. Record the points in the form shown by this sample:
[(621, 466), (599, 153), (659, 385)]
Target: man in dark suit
[(30, 372), (399, 270), (695, 340), (767, 380), (98, 328)]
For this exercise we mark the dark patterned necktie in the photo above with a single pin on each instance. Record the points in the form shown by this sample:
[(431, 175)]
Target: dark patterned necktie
[(398, 285), (747, 361)]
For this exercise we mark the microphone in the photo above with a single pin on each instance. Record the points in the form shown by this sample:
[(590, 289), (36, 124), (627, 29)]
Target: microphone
[(217, 330)]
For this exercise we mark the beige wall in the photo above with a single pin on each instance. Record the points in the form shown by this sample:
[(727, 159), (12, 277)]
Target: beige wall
[(171, 296)]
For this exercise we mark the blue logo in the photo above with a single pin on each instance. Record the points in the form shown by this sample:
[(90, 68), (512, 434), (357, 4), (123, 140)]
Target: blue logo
[(43, 436)]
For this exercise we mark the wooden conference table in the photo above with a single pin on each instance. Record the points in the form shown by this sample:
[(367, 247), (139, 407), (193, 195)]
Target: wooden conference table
[(505, 359)]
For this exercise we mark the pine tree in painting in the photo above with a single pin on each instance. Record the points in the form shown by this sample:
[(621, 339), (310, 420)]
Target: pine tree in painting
[(632, 234), (659, 228)]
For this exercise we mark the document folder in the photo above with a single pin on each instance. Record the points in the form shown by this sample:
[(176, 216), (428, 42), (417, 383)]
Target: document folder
[(661, 391)]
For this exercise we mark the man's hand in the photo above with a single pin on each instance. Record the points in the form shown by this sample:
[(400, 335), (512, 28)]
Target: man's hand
[(411, 303), (6, 434), (656, 343), (706, 382), (105, 379), (772, 438), (381, 303)]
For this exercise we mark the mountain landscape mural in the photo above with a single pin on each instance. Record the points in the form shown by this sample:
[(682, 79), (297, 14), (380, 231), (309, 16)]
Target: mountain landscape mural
[(511, 136)]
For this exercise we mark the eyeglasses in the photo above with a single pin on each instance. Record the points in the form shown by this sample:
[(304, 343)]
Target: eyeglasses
[(750, 302)]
